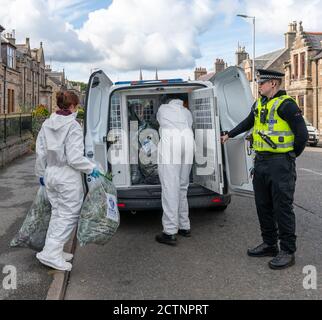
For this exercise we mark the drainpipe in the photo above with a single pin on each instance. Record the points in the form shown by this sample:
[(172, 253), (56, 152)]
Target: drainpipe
[(24, 86), (38, 86), (317, 92), (4, 88), (33, 90)]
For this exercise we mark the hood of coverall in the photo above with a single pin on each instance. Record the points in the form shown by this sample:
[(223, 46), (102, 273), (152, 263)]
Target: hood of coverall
[(176, 102), (56, 128)]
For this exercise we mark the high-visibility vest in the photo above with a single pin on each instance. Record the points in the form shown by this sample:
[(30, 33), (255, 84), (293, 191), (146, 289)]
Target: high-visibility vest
[(275, 128)]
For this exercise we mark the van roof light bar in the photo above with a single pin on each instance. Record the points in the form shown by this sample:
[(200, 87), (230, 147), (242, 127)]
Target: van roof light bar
[(140, 82)]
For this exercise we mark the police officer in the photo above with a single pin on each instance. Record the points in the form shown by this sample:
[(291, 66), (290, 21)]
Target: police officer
[(279, 137)]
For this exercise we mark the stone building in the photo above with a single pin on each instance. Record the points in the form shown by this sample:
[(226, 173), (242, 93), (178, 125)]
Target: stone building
[(1, 72), (57, 81), (22, 76), (31, 65), (10, 84), (303, 71), (273, 60)]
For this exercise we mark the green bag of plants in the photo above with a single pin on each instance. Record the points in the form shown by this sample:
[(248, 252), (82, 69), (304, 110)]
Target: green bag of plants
[(99, 217), (33, 232)]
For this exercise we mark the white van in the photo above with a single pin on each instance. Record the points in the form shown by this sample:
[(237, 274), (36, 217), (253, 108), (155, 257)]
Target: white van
[(216, 107)]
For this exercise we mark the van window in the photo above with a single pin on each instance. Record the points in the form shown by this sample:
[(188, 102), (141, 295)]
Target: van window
[(115, 121)]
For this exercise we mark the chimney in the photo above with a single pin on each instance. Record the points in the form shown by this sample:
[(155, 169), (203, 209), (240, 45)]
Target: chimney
[(290, 35), (241, 55), (220, 65), (199, 72), (301, 29), (141, 75), (11, 37)]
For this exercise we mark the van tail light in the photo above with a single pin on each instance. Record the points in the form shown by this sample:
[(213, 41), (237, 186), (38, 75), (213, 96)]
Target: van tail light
[(121, 205), (216, 200)]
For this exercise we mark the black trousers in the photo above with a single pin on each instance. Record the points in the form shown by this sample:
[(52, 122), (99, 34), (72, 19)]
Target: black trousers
[(274, 187)]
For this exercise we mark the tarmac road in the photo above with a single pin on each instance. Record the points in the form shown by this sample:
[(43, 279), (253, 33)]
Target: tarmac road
[(213, 263)]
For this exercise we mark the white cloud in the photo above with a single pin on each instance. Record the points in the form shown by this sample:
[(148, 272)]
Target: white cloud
[(150, 34), (274, 16), (42, 20)]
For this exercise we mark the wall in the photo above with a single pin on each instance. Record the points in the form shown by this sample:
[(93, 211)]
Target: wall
[(15, 148)]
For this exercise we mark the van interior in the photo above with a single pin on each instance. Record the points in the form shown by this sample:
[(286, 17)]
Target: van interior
[(135, 112)]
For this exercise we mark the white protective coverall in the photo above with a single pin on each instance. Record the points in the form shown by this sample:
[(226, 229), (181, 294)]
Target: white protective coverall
[(175, 159), (60, 160)]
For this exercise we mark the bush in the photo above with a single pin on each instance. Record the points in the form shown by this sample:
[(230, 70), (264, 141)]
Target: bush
[(81, 114), (40, 111), (39, 114)]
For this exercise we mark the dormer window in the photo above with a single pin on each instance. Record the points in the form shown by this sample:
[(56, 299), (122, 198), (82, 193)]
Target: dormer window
[(11, 57)]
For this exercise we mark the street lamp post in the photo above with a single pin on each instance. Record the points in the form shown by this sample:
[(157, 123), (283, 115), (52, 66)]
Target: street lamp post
[(254, 39)]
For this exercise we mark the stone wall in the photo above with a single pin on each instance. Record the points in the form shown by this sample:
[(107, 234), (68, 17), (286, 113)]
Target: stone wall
[(15, 147)]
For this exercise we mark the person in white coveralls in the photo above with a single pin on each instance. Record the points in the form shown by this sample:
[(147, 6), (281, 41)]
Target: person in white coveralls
[(175, 159), (59, 164)]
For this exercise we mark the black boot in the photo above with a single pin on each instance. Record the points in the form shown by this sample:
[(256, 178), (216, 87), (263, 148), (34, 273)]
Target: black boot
[(282, 261), (170, 240), (184, 233), (263, 250)]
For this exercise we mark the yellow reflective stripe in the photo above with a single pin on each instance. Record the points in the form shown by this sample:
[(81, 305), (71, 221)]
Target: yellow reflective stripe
[(271, 115), (276, 133), (279, 146)]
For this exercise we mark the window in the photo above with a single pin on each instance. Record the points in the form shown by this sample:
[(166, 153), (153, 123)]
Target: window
[(11, 101), (301, 103), (11, 52), (296, 66), (302, 65)]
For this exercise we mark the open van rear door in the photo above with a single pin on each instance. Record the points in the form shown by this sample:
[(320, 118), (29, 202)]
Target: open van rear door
[(208, 170), (234, 100), (96, 115)]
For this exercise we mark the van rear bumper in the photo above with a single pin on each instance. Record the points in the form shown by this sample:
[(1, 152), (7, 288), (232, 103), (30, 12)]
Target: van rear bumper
[(149, 198)]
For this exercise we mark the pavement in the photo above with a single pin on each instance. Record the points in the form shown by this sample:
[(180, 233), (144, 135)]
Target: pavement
[(18, 187), (213, 263)]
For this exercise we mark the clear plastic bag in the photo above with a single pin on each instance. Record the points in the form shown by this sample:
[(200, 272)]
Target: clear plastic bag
[(99, 218), (33, 232)]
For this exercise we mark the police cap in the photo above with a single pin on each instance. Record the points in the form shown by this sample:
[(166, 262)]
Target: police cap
[(266, 75)]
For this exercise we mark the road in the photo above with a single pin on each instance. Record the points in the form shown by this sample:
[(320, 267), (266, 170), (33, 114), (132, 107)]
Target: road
[(213, 263)]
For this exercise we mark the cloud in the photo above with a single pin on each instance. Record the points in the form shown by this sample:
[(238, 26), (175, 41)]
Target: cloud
[(274, 16), (150, 34), (42, 20)]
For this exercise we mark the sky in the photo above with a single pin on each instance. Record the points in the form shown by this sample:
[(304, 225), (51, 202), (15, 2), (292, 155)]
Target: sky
[(174, 36)]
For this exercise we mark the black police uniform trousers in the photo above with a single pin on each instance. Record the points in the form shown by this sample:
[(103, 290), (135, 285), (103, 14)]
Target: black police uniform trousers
[(274, 186)]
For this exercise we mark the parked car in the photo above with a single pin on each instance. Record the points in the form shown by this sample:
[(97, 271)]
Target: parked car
[(216, 107), (314, 134)]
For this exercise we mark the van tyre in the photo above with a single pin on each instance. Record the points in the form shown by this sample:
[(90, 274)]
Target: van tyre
[(220, 208)]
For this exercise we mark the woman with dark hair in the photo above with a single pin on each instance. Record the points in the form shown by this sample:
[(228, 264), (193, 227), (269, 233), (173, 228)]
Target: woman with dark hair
[(59, 164)]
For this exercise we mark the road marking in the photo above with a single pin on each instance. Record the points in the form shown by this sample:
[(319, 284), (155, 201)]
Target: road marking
[(311, 171)]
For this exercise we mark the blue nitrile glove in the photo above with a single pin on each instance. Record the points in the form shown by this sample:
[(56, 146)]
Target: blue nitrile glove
[(41, 181), (95, 173)]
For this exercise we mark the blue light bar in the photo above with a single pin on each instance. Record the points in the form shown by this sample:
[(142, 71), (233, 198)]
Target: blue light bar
[(140, 82)]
